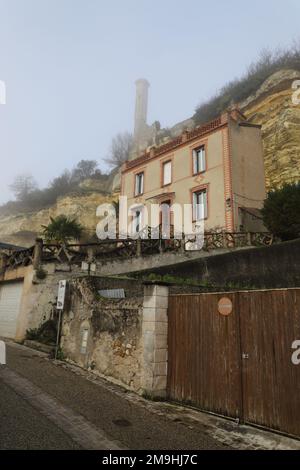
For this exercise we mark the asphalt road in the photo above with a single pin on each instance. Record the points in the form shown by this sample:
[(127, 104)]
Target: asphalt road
[(22, 427), (44, 406)]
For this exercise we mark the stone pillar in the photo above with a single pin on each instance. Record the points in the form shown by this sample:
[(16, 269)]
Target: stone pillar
[(155, 340), (138, 247), (249, 238), (90, 254), (3, 261), (38, 253)]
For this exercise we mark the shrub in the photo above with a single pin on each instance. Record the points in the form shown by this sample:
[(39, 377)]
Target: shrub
[(32, 333), (62, 229), (41, 273), (29, 197), (281, 212), (46, 333)]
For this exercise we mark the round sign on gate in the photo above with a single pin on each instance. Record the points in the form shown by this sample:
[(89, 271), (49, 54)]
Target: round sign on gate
[(225, 306)]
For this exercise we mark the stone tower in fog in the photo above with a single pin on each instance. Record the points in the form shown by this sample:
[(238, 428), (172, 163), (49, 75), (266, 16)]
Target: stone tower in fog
[(146, 136), (141, 108)]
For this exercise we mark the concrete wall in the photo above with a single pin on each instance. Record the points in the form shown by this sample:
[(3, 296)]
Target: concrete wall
[(267, 267), (123, 266), (248, 174), (38, 297)]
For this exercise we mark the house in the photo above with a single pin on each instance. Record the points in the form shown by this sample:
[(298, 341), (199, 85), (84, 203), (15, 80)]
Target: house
[(217, 167)]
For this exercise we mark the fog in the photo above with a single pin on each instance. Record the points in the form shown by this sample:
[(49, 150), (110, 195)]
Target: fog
[(69, 68)]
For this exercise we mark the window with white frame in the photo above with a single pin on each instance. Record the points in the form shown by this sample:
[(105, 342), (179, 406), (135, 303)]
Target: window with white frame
[(200, 205), (139, 184), (199, 163), (167, 173), (137, 221)]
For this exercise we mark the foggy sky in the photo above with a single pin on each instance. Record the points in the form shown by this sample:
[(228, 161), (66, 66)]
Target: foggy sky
[(70, 67)]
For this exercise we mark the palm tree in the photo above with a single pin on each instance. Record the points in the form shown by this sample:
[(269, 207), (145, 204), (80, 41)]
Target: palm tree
[(61, 230)]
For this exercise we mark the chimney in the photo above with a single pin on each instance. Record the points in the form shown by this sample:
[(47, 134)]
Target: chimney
[(141, 106)]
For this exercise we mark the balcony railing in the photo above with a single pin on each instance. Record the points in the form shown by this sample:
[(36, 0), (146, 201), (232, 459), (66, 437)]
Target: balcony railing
[(121, 249)]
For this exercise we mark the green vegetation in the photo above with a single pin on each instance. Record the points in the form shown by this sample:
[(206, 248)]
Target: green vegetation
[(169, 279), (281, 212), (29, 197), (204, 284), (32, 334), (239, 89), (60, 356), (45, 334), (41, 274), (62, 229)]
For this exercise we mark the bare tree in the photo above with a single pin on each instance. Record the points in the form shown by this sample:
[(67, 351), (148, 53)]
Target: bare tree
[(85, 169), (22, 186), (120, 148)]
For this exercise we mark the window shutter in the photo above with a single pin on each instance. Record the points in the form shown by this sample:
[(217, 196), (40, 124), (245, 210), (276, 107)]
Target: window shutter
[(200, 205), (202, 159), (195, 201), (141, 183), (167, 177), (204, 204), (195, 169), (199, 163)]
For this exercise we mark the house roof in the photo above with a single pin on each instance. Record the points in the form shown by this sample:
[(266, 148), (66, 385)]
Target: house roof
[(188, 136), (182, 139)]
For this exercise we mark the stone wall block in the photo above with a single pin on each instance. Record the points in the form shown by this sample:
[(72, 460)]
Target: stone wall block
[(161, 342), (159, 368), (155, 340), (160, 355), (160, 383)]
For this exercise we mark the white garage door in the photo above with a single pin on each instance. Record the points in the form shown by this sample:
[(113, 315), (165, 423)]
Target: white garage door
[(10, 300)]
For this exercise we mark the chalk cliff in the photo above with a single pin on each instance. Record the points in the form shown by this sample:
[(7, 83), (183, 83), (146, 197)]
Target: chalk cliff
[(272, 107), (22, 229)]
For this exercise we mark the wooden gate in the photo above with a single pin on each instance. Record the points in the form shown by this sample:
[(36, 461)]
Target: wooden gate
[(237, 365)]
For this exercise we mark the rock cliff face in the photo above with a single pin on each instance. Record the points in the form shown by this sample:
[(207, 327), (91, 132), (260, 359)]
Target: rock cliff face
[(272, 107), (22, 229)]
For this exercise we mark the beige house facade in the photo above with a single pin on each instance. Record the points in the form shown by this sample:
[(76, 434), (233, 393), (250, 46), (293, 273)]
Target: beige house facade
[(217, 168)]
